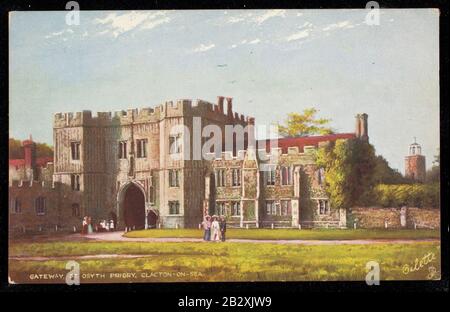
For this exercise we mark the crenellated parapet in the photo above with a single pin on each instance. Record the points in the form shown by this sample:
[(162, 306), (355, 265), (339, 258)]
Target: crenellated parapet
[(168, 109), (275, 156)]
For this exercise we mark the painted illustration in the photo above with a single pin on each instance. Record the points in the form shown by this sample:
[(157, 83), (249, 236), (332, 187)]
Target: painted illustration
[(224, 145)]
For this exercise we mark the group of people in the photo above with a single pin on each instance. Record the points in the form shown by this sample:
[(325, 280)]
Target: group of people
[(102, 226), (215, 228)]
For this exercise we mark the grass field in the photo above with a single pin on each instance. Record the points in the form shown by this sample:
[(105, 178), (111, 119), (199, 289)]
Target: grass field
[(289, 234), (169, 262)]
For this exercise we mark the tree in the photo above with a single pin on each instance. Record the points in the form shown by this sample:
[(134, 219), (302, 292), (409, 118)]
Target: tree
[(384, 174), (44, 150), (304, 124), (349, 171), (16, 149), (433, 175)]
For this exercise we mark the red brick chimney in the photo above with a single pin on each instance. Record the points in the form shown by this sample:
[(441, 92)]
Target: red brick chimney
[(230, 106), (29, 149), (220, 103)]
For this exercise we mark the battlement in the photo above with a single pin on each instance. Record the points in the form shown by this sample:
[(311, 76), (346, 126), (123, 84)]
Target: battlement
[(182, 107), (275, 153)]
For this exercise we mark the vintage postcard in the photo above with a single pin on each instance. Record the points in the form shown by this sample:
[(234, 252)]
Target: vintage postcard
[(224, 146)]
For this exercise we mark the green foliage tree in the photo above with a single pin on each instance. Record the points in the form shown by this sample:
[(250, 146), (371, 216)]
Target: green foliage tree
[(16, 149), (433, 175), (44, 150), (304, 124), (412, 195), (384, 174), (349, 171)]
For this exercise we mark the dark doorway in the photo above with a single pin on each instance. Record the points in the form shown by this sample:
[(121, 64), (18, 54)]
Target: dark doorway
[(152, 218), (134, 208)]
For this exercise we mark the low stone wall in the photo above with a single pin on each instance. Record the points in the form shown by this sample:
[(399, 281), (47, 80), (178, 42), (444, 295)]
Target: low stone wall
[(377, 217)]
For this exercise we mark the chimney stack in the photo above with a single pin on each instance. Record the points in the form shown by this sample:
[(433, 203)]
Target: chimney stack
[(220, 103), (230, 106), (364, 127), (29, 150), (361, 129), (357, 126)]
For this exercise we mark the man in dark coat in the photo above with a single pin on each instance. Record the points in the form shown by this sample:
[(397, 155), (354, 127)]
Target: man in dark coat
[(223, 227)]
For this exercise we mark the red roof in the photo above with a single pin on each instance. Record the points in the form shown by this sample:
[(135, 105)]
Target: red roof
[(40, 161), (301, 142)]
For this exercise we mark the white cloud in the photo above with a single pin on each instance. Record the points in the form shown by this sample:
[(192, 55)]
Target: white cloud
[(344, 24), (233, 46), (203, 47), (155, 22), (299, 14), (235, 19), (117, 24), (268, 15), (255, 41), (255, 18), (298, 35), (58, 33), (306, 24)]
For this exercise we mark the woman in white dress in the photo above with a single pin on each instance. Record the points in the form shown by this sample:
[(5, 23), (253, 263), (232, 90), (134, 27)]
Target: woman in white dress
[(215, 230)]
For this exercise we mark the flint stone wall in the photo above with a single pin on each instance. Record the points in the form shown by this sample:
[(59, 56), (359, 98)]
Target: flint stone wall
[(375, 217)]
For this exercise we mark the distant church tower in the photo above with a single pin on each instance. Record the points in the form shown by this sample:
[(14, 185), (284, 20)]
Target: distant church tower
[(415, 163)]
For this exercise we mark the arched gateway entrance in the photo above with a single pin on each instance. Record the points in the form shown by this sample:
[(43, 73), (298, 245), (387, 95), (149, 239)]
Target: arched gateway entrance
[(132, 208)]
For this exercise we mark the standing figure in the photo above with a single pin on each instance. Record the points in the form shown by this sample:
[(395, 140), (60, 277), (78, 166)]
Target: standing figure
[(207, 228), (90, 230), (223, 227), (84, 228), (215, 229), (111, 225)]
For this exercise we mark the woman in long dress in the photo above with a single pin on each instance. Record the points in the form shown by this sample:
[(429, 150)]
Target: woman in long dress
[(90, 229), (215, 230)]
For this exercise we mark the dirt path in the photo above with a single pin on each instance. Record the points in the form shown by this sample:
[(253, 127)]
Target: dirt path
[(118, 237)]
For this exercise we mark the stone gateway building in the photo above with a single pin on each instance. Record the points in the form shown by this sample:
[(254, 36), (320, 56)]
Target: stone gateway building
[(124, 166)]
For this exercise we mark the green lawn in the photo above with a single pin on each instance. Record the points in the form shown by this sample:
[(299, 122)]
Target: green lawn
[(325, 234), (222, 261)]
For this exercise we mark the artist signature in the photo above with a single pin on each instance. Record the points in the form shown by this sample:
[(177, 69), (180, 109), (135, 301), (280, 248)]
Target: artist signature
[(421, 263)]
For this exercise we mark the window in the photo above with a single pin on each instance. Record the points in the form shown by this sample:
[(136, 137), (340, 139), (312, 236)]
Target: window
[(320, 176), (174, 178), (270, 176), (75, 149), (285, 207), (271, 207), (220, 209), (220, 177), (174, 207), (40, 206), (15, 206), (75, 210), (141, 148), (122, 150), (286, 175), (324, 207), (75, 182), (236, 208), (236, 177), (175, 144)]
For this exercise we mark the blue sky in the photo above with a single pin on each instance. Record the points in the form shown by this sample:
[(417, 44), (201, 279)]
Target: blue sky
[(277, 61)]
